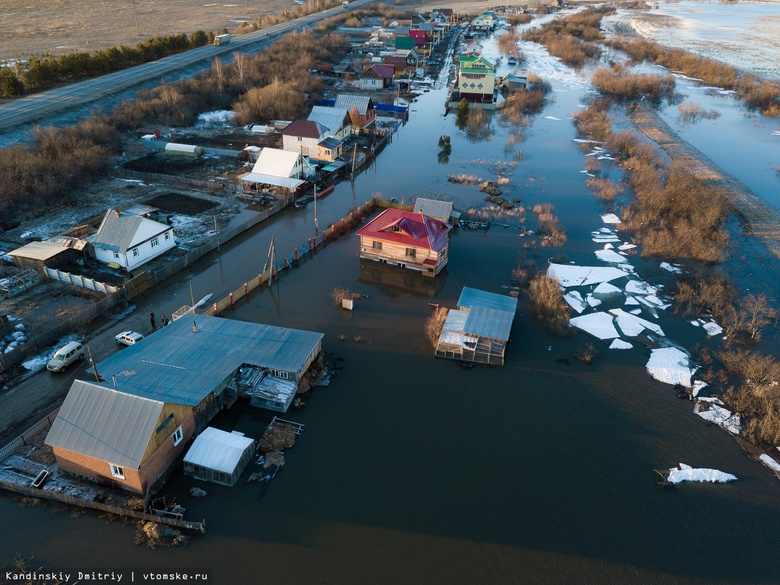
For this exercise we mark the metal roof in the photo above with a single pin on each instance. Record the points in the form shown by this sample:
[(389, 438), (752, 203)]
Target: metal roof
[(271, 180), (181, 366), (407, 228), (97, 421), (348, 101), (218, 450), (39, 250), (332, 118), (306, 129), (117, 230), (433, 208), (277, 163), (492, 323), (472, 297), (455, 321), (331, 143)]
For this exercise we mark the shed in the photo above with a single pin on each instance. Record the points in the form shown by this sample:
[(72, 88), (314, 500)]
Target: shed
[(40, 255), (219, 456), (183, 149), (441, 210)]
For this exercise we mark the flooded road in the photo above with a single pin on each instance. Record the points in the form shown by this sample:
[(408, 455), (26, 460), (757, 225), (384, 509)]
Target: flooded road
[(411, 470)]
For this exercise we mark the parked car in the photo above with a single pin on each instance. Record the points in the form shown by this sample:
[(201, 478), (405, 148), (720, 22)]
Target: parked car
[(128, 338), (65, 356)]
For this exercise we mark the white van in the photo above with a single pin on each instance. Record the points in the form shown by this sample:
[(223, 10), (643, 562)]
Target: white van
[(65, 356)]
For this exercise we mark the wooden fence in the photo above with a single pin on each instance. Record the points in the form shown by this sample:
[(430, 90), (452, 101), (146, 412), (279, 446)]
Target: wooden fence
[(117, 510), (79, 280), (215, 187), (45, 423)]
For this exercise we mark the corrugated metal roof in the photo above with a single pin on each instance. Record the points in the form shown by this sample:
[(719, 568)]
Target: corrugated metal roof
[(433, 208), (332, 118), (117, 230), (455, 321), (276, 162), (100, 422), (218, 450), (271, 180), (492, 323), (472, 297), (347, 101), (306, 129), (407, 228), (39, 250), (180, 366)]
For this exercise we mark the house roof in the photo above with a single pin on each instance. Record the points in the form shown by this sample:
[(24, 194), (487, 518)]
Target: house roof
[(407, 228), (434, 208), (218, 450), (181, 366), (468, 62), (331, 143), (348, 101), (472, 297), (100, 422), (332, 118), (117, 231), (262, 179), (305, 129), (276, 163), (492, 323), (399, 63), (404, 43), (380, 71), (39, 250)]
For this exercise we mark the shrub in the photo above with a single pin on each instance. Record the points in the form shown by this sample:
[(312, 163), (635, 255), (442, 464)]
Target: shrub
[(604, 189), (625, 86), (434, 324), (548, 227), (549, 306)]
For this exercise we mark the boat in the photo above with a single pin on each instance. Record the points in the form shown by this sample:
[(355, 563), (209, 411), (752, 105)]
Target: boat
[(473, 224), (325, 192)]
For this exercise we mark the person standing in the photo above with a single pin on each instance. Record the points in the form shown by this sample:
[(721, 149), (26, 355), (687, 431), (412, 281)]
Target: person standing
[(151, 319), (164, 320)]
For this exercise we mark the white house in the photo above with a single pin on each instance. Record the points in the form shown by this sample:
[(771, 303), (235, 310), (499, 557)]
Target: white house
[(278, 168), (131, 240)]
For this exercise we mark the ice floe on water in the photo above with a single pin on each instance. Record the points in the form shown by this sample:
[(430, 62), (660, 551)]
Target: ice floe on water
[(599, 325), (620, 344), (569, 275), (626, 246), (722, 417), (688, 473), (631, 325), (712, 328), (538, 60), (610, 256), (575, 301), (671, 268), (552, 118), (610, 218), (697, 387), (769, 462), (606, 289), (670, 366)]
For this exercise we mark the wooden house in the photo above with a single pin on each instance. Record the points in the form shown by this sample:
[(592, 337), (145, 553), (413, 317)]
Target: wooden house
[(476, 79), (377, 77), (362, 112), (406, 239), (478, 330)]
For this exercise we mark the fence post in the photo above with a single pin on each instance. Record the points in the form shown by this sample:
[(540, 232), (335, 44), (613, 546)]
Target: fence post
[(297, 256), (231, 299), (246, 289), (216, 311)]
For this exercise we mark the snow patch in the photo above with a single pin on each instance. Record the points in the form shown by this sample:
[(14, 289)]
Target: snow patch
[(722, 417)]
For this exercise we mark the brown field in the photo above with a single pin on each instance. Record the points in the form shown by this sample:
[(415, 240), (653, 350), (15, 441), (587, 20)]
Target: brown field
[(30, 27)]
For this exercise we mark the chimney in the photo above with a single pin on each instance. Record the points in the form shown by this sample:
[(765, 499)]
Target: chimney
[(116, 212), (194, 327), (113, 379)]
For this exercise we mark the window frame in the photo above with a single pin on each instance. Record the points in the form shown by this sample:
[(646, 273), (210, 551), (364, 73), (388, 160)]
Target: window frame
[(177, 436), (117, 471)]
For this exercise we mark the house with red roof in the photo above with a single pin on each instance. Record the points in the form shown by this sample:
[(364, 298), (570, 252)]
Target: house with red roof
[(406, 239), (304, 137), (377, 77)]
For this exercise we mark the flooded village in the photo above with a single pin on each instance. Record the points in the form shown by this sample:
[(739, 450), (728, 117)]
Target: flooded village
[(410, 322)]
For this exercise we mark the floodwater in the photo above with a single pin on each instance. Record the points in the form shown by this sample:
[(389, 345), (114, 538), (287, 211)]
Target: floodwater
[(411, 470)]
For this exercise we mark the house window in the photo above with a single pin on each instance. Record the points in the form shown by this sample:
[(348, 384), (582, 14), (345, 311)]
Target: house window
[(116, 256), (411, 252), (167, 235), (117, 471), (327, 152), (300, 138), (155, 241), (178, 435), (135, 251), (377, 245), (280, 374)]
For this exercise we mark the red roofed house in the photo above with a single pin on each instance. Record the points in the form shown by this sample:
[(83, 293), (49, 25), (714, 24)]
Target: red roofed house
[(377, 77), (303, 137), (406, 239)]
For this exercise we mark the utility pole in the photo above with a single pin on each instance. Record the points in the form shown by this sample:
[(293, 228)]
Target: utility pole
[(94, 366), (316, 225), (137, 28)]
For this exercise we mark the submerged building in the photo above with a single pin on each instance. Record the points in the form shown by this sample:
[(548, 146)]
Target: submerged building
[(478, 330), (156, 395)]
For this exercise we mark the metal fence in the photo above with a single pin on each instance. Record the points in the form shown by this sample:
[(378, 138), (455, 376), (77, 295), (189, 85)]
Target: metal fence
[(79, 280)]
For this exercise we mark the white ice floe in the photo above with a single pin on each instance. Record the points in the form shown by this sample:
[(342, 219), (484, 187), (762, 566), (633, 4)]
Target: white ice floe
[(636, 311), (136, 181), (610, 218), (584, 141), (711, 400), (606, 239), (631, 301), (640, 287), (769, 462), (722, 417), (575, 301), (712, 328), (632, 325), (671, 268), (688, 473), (696, 323), (217, 117), (599, 325), (620, 344), (697, 387), (627, 246), (654, 302), (670, 366), (552, 118), (583, 275), (592, 301), (610, 256), (606, 289)]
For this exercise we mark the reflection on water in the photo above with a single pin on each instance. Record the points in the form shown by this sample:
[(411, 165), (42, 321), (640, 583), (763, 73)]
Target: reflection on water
[(394, 281)]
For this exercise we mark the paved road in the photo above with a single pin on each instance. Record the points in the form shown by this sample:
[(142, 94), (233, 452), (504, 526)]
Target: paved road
[(38, 106)]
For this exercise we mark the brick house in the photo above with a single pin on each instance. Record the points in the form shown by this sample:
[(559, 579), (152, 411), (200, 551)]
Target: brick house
[(303, 136)]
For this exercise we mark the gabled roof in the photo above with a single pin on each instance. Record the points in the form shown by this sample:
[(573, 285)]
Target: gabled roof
[(380, 71), (407, 228), (39, 250), (404, 42), (180, 366), (100, 422), (468, 62), (276, 163), (434, 208), (218, 450), (305, 129), (489, 314), (347, 101), (117, 230), (332, 118)]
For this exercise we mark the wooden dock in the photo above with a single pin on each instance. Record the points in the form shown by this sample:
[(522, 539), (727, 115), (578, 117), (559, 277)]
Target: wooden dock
[(762, 219)]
